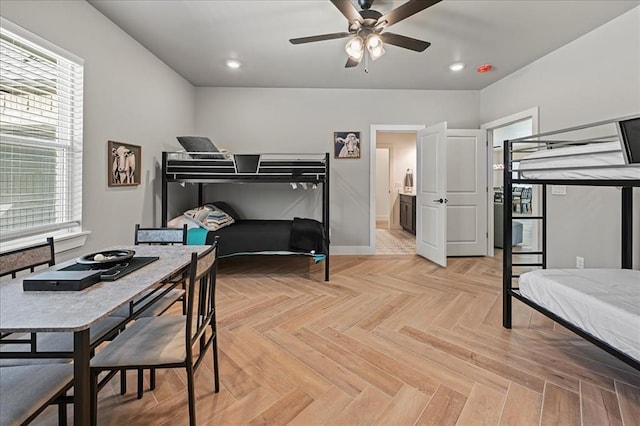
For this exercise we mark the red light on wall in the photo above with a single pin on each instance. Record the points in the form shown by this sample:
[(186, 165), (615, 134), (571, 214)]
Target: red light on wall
[(484, 68)]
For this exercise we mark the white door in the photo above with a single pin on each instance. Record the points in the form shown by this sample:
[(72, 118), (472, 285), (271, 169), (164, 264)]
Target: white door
[(431, 193), (467, 192)]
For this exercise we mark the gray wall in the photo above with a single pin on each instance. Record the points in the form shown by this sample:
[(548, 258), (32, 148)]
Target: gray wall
[(593, 78), (130, 96), (303, 120)]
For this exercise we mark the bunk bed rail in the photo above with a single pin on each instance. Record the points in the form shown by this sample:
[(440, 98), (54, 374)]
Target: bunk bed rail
[(201, 168), (606, 153), (228, 167)]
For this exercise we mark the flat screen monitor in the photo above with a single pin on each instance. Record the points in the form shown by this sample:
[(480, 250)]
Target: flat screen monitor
[(630, 139)]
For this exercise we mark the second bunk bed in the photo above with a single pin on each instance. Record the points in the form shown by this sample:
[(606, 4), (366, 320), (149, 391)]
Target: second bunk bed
[(600, 305), (299, 236)]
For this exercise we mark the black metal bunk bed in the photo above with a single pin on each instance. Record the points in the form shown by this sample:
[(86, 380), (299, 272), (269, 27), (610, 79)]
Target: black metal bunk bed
[(600, 143), (300, 169)]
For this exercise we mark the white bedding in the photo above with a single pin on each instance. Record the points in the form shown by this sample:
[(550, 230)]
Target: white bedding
[(603, 302), (569, 162)]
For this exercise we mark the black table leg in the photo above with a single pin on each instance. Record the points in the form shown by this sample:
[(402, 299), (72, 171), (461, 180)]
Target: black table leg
[(81, 378)]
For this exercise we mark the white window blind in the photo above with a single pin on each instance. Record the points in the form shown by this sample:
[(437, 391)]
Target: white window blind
[(40, 137)]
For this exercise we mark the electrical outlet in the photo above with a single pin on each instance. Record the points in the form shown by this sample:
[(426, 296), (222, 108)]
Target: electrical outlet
[(579, 262)]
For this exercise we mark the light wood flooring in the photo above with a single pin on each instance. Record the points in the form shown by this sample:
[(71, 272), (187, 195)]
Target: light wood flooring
[(390, 340)]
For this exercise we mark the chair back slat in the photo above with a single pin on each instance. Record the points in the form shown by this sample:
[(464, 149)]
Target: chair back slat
[(160, 235), (30, 258), (201, 295)]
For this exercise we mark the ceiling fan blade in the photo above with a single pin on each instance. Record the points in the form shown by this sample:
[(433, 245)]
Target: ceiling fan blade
[(321, 37), (404, 11), (352, 62), (404, 41), (348, 10)]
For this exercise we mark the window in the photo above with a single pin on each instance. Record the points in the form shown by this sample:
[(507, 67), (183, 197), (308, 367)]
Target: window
[(40, 136)]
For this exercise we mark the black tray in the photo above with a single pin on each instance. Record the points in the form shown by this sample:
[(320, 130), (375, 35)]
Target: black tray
[(80, 276), (111, 272), (61, 281)]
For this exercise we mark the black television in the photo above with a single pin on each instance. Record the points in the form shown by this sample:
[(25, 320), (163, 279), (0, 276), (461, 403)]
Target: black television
[(629, 130)]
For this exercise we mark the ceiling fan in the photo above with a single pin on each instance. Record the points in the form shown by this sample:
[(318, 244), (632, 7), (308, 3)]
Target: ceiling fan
[(366, 29)]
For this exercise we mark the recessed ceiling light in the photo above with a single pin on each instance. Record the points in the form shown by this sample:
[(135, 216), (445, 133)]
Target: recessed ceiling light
[(458, 66), (233, 63)]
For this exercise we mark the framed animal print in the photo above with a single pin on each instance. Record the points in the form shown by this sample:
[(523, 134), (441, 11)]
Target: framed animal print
[(124, 164), (346, 144)]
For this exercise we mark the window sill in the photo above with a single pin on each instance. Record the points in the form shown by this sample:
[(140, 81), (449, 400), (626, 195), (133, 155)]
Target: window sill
[(63, 241)]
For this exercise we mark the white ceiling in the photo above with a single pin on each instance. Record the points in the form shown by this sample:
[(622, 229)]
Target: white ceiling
[(196, 37)]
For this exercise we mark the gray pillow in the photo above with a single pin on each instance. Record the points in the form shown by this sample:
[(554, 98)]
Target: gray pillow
[(198, 144)]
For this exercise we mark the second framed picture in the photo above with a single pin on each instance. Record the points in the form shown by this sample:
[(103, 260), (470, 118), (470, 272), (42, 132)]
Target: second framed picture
[(124, 164), (346, 144)]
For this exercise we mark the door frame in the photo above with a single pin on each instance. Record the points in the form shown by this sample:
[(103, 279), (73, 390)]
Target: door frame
[(532, 113), (373, 129)]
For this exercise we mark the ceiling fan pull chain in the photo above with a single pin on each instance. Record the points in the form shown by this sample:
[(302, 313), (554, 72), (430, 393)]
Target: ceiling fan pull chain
[(366, 62)]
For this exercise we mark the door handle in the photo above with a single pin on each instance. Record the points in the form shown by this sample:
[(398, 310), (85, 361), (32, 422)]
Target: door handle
[(441, 201)]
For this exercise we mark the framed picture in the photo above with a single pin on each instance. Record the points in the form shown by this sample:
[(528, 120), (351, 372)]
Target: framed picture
[(124, 164), (346, 144)]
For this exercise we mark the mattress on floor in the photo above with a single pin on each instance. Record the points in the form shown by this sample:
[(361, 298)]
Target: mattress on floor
[(603, 302), (593, 161)]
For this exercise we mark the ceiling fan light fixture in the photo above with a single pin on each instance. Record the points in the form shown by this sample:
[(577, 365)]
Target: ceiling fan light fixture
[(355, 48), (458, 66), (373, 41), (376, 52)]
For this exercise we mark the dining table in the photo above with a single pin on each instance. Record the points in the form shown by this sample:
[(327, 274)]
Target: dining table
[(76, 311)]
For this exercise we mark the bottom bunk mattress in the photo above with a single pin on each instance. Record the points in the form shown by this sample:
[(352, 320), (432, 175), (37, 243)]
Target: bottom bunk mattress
[(277, 237), (603, 302)]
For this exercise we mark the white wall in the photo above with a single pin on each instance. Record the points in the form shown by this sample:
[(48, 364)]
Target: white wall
[(303, 120), (129, 96), (593, 78)]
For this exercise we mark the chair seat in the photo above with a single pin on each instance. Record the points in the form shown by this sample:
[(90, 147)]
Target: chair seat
[(27, 388), (148, 342), (155, 309), (57, 342)]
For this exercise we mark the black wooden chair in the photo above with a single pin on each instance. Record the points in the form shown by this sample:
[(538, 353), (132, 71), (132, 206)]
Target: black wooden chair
[(41, 380), (26, 390), (29, 258), (169, 341), (143, 306)]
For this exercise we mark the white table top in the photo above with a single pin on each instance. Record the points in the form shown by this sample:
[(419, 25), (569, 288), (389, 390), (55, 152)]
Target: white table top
[(24, 311)]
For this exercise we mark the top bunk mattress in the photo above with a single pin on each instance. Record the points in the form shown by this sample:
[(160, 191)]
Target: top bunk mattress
[(603, 302), (593, 161)]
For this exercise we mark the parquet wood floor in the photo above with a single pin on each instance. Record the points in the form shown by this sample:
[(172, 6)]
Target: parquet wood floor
[(390, 340)]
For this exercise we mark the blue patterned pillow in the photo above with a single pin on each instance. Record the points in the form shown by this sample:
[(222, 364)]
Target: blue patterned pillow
[(209, 217)]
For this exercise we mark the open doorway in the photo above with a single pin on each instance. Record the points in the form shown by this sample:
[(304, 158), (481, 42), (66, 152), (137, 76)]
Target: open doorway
[(393, 185), (526, 233)]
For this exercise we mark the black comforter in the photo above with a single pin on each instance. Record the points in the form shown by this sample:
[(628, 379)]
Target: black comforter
[(254, 236)]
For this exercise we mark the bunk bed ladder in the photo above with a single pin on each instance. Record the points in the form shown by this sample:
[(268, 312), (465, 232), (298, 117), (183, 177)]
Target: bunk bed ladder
[(508, 254)]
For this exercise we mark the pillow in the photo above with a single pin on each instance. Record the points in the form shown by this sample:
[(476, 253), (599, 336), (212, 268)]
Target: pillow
[(209, 217), (198, 144), (180, 221), (225, 207)]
